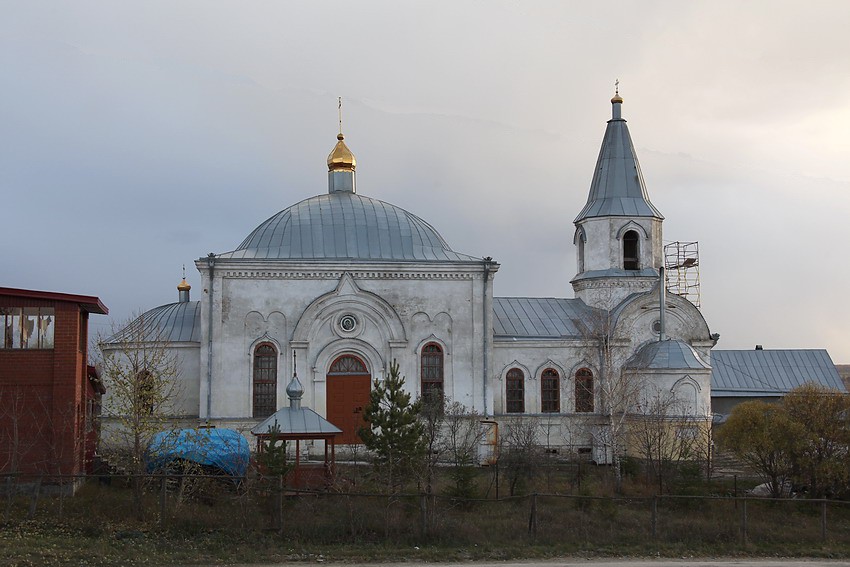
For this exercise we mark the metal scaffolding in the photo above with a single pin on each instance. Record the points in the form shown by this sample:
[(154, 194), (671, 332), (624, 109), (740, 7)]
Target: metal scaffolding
[(681, 264)]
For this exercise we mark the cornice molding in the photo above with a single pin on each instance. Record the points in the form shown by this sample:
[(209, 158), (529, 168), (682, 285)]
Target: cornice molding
[(312, 274), (635, 283)]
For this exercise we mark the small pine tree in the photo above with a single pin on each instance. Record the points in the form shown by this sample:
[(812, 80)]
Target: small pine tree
[(395, 435), (273, 457)]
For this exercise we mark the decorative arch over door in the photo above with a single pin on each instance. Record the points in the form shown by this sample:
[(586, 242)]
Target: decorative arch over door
[(348, 386)]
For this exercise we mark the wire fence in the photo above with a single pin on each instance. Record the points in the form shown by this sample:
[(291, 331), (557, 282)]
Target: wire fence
[(192, 503)]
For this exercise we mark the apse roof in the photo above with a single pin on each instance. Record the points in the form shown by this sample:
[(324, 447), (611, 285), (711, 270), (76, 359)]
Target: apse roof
[(174, 322), (346, 226), (541, 317), (618, 188), (737, 373), (669, 354)]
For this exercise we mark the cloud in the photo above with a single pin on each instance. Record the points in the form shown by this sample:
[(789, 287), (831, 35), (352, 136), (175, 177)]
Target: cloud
[(139, 137)]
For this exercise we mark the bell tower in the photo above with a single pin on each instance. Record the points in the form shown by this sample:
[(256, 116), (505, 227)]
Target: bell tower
[(618, 232)]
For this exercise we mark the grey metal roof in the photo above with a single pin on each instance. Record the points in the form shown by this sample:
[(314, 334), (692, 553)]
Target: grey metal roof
[(618, 188), (301, 421), (670, 354), (344, 225), (541, 317), (770, 372), (175, 322)]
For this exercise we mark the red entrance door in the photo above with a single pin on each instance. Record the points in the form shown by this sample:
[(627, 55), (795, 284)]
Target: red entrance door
[(348, 387)]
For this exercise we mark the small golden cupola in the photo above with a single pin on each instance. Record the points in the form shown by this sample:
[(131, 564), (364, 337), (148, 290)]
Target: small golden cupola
[(616, 102), (341, 158), (183, 289), (341, 165)]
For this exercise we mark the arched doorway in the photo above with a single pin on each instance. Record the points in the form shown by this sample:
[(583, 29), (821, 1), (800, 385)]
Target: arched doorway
[(348, 387)]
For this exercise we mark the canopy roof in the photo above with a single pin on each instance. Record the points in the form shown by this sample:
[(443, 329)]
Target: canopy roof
[(302, 422)]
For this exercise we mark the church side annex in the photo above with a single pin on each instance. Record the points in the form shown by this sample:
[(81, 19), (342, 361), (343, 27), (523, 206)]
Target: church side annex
[(349, 283)]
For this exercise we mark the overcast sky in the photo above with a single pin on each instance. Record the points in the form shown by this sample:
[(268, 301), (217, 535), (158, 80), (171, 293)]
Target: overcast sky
[(136, 137)]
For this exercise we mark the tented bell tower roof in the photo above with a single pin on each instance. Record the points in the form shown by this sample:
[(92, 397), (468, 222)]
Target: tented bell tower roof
[(617, 188)]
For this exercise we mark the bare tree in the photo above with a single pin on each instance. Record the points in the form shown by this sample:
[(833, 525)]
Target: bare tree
[(15, 427), (520, 455), (462, 434), (664, 434), (20, 437), (617, 390), (140, 373), (551, 426), (452, 434), (431, 415)]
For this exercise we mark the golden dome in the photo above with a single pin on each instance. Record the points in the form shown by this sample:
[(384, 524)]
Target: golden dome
[(183, 286), (617, 98), (341, 158)]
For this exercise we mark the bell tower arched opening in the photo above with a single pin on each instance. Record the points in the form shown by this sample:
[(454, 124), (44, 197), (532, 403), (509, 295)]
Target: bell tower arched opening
[(631, 250)]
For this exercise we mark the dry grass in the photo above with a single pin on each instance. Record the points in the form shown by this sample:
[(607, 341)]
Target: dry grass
[(213, 522)]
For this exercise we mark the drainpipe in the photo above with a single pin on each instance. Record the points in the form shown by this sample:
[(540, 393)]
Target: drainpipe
[(662, 303), (486, 333), (211, 266)]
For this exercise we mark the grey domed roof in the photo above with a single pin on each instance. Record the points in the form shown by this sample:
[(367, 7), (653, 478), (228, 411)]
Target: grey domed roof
[(174, 322), (346, 226), (667, 355)]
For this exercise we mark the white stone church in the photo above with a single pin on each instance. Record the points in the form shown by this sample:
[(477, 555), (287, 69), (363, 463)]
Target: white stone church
[(349, 283)]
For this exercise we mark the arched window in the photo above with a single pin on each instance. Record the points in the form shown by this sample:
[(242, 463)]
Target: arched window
[(580, 253), (348, 364), (584, 391), (687, 398), (515, 391), (265, 380), (432, 373), (550, 391), (631, 250)]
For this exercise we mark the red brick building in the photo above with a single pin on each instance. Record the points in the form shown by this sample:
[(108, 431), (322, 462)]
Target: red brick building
[(49, 395)]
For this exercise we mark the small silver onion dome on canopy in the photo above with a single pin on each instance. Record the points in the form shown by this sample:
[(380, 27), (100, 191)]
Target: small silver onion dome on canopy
[(294, 390)]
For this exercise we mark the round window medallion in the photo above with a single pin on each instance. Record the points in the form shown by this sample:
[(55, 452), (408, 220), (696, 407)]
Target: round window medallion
[(656, 326), (348, 323)]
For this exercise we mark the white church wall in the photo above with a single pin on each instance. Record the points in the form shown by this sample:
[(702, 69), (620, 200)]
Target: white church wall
[(184, 399), (251, 310), (640, 321), (533, 357), (601, 232), (187, 401), (691, 390)]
